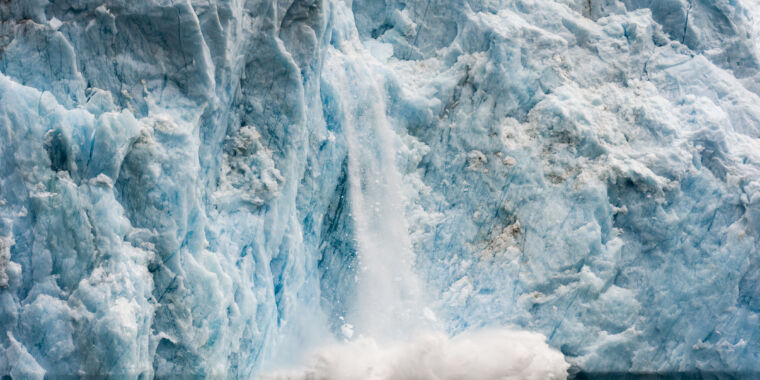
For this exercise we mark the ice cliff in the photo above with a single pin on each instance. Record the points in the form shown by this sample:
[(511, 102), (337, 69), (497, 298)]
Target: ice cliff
[(211, 187)]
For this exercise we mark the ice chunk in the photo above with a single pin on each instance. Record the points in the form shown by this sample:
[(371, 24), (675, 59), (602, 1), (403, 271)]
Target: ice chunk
[(55, 23)]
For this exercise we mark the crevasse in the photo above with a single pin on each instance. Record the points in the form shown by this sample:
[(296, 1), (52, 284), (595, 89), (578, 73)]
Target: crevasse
[(214, 188)]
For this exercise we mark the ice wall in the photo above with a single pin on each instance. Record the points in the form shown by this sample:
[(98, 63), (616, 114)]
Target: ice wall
[(181, 182), (156, 198), (599, 172)]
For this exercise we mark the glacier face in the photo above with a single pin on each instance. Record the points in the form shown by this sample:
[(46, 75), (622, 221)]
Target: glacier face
[(188, 187)]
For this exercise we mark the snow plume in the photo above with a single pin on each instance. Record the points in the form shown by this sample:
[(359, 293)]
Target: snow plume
[(483, 354)]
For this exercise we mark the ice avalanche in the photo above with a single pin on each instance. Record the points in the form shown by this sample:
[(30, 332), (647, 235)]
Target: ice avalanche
[(379, 189)]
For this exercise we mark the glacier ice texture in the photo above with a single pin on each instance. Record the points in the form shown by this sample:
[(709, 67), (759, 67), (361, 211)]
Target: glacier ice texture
[(188, 187)]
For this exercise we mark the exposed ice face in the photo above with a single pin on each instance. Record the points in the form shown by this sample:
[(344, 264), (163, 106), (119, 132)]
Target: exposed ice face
[(598, 180), (150, 179), (184, 186)]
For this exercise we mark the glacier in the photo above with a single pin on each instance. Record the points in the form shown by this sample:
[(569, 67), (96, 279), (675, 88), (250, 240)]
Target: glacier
[(233, 188)]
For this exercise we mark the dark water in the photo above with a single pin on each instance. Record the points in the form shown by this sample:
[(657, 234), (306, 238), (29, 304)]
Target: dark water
[(663, 376)]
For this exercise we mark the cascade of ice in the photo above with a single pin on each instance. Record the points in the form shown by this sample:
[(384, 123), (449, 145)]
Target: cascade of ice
[(388, 294), (396, 335)]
